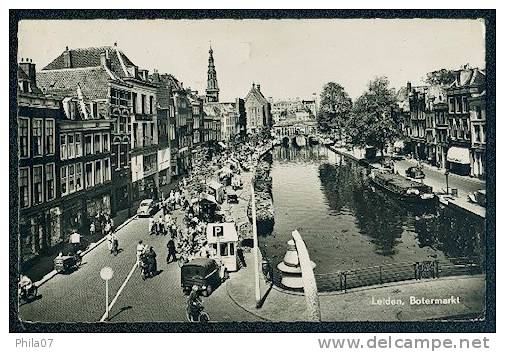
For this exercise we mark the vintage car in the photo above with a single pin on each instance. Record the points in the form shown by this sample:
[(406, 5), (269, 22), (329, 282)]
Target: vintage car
[(414, 172), (147, 207), (205, 273)]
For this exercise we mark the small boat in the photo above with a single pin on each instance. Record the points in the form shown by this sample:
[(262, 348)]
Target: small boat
[(405, 189)]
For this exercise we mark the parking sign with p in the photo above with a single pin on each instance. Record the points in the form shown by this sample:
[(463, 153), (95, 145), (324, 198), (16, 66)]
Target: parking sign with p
[(218, 231)]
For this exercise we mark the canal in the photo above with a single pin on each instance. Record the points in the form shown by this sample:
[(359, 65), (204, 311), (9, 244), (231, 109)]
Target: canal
[(347, 224)]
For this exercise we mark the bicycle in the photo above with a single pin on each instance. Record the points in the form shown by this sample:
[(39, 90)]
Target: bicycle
[(203, 317)]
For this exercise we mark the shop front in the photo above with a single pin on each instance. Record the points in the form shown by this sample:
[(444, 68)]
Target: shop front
[(478, 163)]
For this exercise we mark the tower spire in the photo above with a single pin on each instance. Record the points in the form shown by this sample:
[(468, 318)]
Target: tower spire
[(212, 91)]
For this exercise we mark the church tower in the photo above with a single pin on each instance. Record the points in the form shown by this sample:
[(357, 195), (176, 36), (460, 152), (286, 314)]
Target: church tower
[(212, 87)]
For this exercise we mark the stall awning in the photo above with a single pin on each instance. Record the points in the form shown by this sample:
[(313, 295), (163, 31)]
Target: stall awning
[(458, 155)]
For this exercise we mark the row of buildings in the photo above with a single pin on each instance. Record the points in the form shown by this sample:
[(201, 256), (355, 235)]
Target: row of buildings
[(96, 134), (445, 125)]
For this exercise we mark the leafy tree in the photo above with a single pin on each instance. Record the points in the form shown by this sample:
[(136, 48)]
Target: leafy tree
[(334, 109), (373, 121), (440, 77)]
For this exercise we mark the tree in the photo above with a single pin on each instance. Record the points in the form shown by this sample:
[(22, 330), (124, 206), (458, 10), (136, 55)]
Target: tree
[(440, 77), (334, 108), (373, 121)]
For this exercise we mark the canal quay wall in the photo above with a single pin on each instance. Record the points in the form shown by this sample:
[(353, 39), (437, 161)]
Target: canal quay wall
[(262, 183), (444, 200)]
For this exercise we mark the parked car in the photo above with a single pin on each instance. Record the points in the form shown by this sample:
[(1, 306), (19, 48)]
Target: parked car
[(147, 207), (414, 172)]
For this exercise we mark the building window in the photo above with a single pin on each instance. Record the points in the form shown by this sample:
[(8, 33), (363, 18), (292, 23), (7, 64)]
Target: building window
[(70, 146), (37, 185), (451, 105), (78, 145), (106, 170), (24, 187), (23, 138), (464, 104), (98, 172), (78, 176), (105, 141), (49, 136), (88, 145), (71, 178), (97, 143), (134, 100), (151, 101), (95, 110), (64, 179), (50, 193), (37, 137), (143, 102), (89, 175)]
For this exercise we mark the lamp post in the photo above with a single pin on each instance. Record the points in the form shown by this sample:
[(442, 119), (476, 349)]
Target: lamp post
[(447, 180)]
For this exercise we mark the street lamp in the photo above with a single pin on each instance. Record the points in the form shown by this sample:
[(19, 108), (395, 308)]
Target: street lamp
[(447, 179)]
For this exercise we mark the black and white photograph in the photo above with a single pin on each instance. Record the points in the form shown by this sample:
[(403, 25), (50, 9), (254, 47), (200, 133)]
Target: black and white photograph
[(204, 170)]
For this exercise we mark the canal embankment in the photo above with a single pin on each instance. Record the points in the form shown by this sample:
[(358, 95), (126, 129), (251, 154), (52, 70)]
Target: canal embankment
[(459, 202), (464, 296)]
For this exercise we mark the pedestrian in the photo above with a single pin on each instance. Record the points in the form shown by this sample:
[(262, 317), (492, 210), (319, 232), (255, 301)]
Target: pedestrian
[(151, 225), (171, 252), (140, 250), (111, 222), (75, 240), (92, 229), (109, 241), (107, 228)]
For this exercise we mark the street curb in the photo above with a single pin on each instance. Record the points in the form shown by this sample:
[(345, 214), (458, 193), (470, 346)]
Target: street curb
[(51, 274), (242, 307)]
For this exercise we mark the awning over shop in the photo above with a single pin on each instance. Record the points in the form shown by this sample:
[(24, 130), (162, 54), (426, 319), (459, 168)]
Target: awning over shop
[(458, 155)]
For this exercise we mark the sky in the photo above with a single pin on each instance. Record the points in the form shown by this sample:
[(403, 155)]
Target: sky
[(289, 58)]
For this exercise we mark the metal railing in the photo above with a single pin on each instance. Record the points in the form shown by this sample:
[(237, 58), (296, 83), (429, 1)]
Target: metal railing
[(382, 274)]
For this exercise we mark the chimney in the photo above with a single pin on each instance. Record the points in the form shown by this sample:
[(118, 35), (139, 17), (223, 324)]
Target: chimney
[(29, 68), (258, 86), (67, 58), (156, 76), (409, 87), (105, 59)]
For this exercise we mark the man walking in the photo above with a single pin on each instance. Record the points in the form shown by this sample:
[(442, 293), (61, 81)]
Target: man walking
[(140, 250), (171, 252)]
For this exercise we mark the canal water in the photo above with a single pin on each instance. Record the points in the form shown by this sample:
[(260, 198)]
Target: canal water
[(347, 224)]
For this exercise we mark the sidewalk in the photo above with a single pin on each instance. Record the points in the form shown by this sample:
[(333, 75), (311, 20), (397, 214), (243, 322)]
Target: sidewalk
[(41, 265), (358, 304)]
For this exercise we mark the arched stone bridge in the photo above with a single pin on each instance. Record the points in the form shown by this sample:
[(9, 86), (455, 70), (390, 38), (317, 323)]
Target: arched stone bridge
[(288, 131)]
